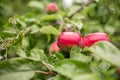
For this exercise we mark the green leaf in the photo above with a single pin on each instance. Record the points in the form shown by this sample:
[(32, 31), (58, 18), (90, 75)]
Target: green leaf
[(89, 76), (34, 29), (73, 9), (31, 18), (20, 20), (76, 54), (36, 4), (49, 30), (59, 56), (104, 66), (60, 77), (7, 33), (102, 69), (51, 17), (18, 38), (16, 69), (106, 51), (25, 44), (77, 22), (70, 68), (12, 41), (34, 54)]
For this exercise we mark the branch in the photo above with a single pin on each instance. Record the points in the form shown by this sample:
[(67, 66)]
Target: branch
[(44, 72), (41, 72), (81, 8), (49, 69), (10, 41)]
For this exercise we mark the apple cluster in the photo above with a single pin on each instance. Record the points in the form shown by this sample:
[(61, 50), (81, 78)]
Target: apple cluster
[(66, 40)]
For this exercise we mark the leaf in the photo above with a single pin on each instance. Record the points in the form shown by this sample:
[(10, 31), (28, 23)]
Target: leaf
[(106, 51), (102, 69), (77, 21), (34, 29), (12, 41), (31, 18), (104, 66), (25, 43), (36, 4), (20, 20), (51, 17), (7, 33), (16, 69), (49, 30), (34, 54), (59, 56), (89, 76), (56, 57), (18, 38), (76, 54), (73, 9), (60, 77), (70, 68)]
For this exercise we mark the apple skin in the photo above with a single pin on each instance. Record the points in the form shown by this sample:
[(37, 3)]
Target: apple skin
[(54, 47), (51, 8), (92, 38), (67, 40)]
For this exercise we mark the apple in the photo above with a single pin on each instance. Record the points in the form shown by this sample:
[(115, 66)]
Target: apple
[(54, 47), (67, 40), (51, 8), (92, 38)]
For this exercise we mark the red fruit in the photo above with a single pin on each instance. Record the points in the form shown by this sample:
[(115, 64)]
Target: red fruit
[(67, 40), (51, 8), (90, 39), (54, 47)]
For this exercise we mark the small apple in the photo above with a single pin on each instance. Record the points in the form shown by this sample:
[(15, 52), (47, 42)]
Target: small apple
[(54, 47), (51, 8)]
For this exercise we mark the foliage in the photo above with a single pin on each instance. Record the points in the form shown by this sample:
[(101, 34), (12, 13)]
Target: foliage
[(27, 31)]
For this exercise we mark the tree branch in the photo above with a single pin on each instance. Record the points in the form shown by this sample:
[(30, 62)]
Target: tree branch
[(81, 8)]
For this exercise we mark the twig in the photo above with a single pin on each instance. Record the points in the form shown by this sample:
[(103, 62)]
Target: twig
[(47, 66), (5, 44), (41, 72), (49, 69), (44, 72), (81, 8)]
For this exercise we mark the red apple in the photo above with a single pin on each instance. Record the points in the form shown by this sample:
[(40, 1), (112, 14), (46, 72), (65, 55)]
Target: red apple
[(54, 47), (67, 40), (90, 39), (51, 8)]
